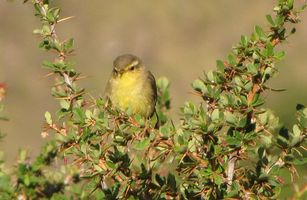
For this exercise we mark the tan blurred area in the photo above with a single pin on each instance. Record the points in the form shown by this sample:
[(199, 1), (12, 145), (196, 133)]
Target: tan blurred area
[(177, 39)]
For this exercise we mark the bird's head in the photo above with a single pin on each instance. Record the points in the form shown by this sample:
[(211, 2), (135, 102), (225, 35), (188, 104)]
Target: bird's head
[(126, 63)]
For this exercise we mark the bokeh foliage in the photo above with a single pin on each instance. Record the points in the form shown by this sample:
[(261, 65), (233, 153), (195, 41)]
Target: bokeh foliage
[(229, 146)]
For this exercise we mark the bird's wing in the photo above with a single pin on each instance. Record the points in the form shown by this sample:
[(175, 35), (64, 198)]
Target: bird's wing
[(153, 85)]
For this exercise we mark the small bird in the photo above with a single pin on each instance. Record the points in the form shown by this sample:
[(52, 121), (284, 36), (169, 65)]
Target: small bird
[(132, 87)]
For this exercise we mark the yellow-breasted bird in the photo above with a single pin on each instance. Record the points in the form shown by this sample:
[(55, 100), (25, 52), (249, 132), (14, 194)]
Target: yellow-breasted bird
[(132, 87)]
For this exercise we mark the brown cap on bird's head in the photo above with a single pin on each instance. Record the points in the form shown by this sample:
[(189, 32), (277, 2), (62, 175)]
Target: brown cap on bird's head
[(122, 61)]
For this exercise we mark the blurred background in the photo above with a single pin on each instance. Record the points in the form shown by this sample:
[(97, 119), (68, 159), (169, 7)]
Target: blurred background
[(177, 39)]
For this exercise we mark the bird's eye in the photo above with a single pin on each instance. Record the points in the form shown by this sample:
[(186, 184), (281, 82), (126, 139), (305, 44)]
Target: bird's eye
[(132, 68)]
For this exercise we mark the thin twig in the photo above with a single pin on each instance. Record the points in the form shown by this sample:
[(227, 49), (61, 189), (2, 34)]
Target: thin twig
[(230, 171)]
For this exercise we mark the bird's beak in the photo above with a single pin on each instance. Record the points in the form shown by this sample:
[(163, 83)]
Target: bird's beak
[(118, 71)]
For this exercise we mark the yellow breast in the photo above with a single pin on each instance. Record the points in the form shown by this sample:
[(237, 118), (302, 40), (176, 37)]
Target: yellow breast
[(133, 93)]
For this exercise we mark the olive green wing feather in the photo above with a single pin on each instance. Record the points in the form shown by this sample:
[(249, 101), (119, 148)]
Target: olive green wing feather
[(153, 86)]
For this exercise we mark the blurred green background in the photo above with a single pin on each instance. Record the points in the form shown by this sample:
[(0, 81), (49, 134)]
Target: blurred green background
[(177, 39)]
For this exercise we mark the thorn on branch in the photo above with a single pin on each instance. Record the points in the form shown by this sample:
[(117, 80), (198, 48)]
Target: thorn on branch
[(66, 18)]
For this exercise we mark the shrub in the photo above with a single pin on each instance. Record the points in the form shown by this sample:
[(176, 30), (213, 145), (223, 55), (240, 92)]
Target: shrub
[(228, 147)]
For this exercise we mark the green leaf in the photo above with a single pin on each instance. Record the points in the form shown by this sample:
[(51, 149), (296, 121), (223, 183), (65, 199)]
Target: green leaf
[(232, 59), (244, 40), (45, 44), (230, 118), (165, 130), (242, 122), (220, 65), (302, 8), (37, 9), (269, 50), (46, 30), (264, 118), (83, 148), (154, 120), (163, 83), (171, 182), (234, 190), (296, 135), (140, 120), (215, 116), (283, 138), (26, 180), (48, 65), (290, 4), (238, 81), (110, 164), (218, 179), (247, 86), (88, 114), (261, 153), (301, 161), (279, 20), (142, 144), (37, 31), (270, 20), (69, 44), (199, 86), (257, 100), (255, 56), (98, 168), (56, 12), (65, 104), (252, 68), (211, 76), (233, 141), (48, 118), (79, 114), (160, 179), (50, 17), (23, 154), (259, 31)]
